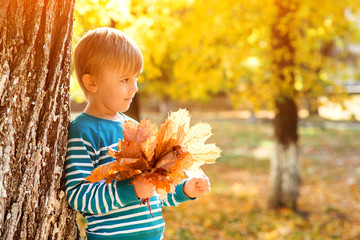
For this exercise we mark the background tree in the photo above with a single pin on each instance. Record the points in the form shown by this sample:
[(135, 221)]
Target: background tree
[(284, 173), (262, 54), (93, 14), (270, 54), (35, 45), (153, 25)]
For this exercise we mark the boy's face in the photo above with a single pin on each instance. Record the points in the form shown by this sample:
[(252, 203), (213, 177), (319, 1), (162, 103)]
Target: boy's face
[(115, 91)]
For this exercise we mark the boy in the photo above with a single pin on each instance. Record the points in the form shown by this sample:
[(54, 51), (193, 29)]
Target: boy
[(107, 64)]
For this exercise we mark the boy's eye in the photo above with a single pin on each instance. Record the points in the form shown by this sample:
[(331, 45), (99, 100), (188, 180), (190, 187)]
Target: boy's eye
[(125, 80)]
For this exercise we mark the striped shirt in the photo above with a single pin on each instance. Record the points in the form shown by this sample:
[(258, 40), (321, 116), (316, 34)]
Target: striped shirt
[(112, 210)]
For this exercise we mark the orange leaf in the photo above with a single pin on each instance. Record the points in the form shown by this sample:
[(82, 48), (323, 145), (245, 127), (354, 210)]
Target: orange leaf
[(130, 150), (110, 170), (148, 147), (103, 171), (138, 133), (163, 155)]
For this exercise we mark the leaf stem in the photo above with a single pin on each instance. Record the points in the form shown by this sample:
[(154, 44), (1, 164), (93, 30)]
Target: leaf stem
[(147, 202)]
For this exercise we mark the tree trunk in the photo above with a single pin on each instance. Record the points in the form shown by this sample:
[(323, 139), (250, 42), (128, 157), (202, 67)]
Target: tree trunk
[(165, 107), (313, 106), (284, 173), (134, 111), (35, 45)]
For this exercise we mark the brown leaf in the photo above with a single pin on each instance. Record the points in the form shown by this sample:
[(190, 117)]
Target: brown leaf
[(184, 162), (161, 181), (162, 148), (122, 175), (164, 135), (112, 177), (130, 150), (138, 133), (162, 155), (134, 164), (167, 161), (103, 171), (113, 153), (113, 168), (148, 147), (130, 131)]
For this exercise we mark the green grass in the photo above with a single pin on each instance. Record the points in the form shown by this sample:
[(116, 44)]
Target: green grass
[(240, 143), (236, 206)]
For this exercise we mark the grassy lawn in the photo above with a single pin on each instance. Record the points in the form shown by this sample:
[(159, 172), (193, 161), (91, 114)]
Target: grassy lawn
[(329, 200), (236, 207)]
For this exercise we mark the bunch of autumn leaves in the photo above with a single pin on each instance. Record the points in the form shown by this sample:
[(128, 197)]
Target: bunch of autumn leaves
[(165, 156)]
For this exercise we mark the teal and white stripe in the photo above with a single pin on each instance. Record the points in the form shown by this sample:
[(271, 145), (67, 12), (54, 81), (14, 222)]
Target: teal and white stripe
[(113, 211)]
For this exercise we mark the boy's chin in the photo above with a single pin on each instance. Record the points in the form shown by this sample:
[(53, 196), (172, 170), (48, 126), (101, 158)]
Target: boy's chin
[(125, 109)]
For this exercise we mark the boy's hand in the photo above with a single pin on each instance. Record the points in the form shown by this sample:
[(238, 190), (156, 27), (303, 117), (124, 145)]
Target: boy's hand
[(144, 188), (196, 186)]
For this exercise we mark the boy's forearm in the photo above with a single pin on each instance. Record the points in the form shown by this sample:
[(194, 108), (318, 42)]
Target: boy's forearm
[(99, 198), (176, 198)]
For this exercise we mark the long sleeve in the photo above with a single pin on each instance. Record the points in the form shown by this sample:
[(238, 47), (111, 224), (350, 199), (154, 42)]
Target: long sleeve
[(112, 210), (177, 197), (93, 198)]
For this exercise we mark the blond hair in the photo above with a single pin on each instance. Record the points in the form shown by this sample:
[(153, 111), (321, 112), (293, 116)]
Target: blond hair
[(106, 48)]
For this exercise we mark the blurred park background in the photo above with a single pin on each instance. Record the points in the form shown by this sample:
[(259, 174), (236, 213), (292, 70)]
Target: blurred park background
[(246, 67)]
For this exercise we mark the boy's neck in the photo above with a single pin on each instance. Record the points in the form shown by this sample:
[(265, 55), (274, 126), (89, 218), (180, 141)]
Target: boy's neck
[(108, 116)]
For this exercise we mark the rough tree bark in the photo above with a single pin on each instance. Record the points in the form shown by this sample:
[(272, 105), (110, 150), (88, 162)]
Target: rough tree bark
[(284, 173), (35, 50)]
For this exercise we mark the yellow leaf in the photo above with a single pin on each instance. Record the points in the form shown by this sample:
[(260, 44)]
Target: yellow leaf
[(204, 153), (198, 133)]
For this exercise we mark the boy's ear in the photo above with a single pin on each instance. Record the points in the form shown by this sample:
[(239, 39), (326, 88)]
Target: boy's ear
[(89, 83)]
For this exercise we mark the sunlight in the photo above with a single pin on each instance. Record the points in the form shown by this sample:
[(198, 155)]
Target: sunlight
[(240, 189), (263, 152), (252, 62), (334, 111)]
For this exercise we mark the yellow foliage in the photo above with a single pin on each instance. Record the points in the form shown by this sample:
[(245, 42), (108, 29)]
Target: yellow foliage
[(75, 90), (194, 48)]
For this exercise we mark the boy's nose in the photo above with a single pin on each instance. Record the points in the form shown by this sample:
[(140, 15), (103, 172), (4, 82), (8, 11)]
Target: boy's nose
[(135, 88)]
